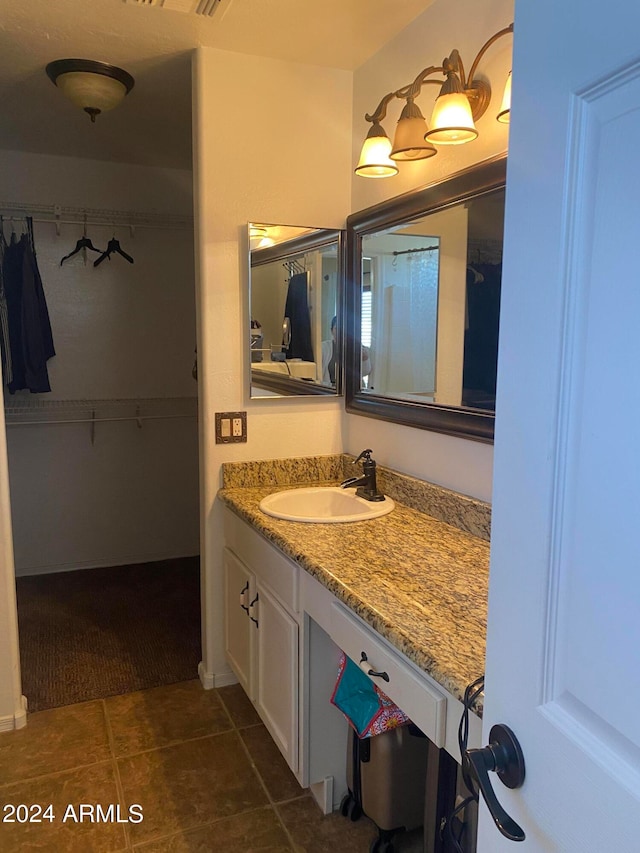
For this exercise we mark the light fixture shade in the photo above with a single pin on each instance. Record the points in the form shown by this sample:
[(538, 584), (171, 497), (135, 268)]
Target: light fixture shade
[(409, 141), (451, 120), (505, 107), (93, 86), (374, 159)]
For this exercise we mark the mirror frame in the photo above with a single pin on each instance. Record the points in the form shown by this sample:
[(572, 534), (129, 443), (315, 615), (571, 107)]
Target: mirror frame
[(477, 180), (285, 386)]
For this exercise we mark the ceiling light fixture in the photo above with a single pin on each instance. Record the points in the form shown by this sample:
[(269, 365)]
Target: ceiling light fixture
[(259, 237), (461, 102), (93, 86)]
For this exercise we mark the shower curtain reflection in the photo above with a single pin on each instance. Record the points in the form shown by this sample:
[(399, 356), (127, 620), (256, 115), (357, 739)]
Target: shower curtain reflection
[(404, 321)]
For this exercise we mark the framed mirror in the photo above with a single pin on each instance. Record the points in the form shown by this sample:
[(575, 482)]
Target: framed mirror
[(295, 299), (423, 301)]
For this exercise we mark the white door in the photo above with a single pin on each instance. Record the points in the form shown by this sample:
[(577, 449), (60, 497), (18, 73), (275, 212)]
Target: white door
[(563, 651)]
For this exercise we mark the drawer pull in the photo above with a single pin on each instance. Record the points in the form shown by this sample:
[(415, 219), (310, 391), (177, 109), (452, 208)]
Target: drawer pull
[(364, 666)]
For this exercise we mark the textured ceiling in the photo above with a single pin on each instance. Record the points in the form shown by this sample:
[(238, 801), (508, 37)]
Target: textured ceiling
[(152, 126)]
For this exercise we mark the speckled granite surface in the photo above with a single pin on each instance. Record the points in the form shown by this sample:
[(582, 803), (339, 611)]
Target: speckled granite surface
[(421, 583), (468, 514), (283, 472)]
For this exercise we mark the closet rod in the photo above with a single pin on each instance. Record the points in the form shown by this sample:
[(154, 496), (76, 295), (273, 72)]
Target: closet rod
[(137, 418), (103, 224), (57, 213), (413, 251)]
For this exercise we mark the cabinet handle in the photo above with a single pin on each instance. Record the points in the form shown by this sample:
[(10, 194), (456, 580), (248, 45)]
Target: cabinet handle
[(250, 610), (242, 598), (372, 672)]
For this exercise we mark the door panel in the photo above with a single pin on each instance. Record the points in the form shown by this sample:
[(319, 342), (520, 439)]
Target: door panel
[(239, 630), (277, 678), (564, 634)]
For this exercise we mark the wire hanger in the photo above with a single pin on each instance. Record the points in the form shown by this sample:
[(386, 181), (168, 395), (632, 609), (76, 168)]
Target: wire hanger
[(83, 243), (295, 266)]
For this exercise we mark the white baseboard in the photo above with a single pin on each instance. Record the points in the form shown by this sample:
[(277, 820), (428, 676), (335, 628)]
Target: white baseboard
[(209, 680), (29, 571), (224, 679), (17, 720), (323, 794)]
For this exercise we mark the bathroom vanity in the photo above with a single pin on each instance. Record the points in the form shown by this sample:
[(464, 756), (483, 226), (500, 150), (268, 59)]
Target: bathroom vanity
[(407, 591)]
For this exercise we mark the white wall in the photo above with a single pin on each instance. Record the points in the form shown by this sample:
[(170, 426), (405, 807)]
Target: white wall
[(455, 463), (12, 711), (273, 147), (121, 331)]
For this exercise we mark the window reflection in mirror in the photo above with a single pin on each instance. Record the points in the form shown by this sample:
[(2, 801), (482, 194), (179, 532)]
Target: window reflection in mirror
[(294, 302), (430, 302)]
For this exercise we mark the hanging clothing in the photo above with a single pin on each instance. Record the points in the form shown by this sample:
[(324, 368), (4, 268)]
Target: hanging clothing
[(481, 335), (30, 337), (297, 310), (5, 345)]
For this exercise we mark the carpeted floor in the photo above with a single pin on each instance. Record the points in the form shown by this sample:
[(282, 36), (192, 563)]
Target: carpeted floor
[(94, 633)]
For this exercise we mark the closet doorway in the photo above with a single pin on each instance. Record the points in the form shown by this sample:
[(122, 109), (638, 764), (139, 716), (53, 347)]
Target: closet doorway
[(103, 469)]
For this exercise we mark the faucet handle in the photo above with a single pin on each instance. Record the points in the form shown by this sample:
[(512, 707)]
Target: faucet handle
[(366, 455)]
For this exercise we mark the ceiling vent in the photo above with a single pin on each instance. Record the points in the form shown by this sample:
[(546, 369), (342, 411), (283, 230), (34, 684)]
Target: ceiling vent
[(197, 7)]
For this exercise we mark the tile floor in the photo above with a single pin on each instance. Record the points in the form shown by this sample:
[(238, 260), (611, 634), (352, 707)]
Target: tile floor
[(199, 764)]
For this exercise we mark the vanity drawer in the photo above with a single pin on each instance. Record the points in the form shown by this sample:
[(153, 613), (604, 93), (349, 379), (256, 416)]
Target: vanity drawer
[(423, 703), (268, 564)]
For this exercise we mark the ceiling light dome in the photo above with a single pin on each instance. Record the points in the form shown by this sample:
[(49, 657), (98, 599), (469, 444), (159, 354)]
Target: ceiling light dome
[(93, 86)]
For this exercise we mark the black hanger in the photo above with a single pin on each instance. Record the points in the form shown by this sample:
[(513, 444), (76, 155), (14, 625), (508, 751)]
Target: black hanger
[(113, 246), (83, 243)]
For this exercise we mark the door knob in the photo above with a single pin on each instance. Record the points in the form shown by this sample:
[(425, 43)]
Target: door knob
[(504, 757)]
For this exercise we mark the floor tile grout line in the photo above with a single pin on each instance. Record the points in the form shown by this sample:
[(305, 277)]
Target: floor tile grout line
[(113, 758), (111, 743), (172, 743), (227, 711), (198, 826), (272, 803), (266, 791), (223, 705), (116, 769), (40, 776)]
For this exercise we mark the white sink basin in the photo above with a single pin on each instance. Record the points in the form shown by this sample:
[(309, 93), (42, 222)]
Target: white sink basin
[(323, 505)]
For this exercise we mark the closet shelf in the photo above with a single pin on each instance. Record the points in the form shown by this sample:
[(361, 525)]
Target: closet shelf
[(25, 411), (63, 215)]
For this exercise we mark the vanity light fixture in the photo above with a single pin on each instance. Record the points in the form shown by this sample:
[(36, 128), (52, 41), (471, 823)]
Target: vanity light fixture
[(461, 101), (409, 142), (93, 86), (374, 158), (505, 107)]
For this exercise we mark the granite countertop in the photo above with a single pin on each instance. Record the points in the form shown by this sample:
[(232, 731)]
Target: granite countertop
[(420, 582)]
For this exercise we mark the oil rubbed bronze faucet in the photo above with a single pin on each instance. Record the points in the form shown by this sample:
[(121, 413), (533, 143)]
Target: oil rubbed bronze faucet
[(366, 484)]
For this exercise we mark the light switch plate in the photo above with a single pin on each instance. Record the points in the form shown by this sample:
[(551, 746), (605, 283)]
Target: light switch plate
[(231, 427)]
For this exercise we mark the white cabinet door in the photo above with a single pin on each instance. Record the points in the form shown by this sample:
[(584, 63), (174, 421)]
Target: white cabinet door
[(277, 673), (240, 630)]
